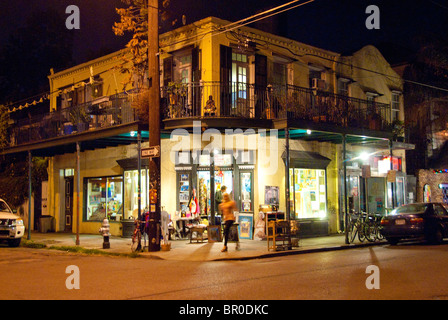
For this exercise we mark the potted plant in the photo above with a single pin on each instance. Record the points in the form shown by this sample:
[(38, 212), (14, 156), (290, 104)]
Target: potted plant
[(78, 117), (397, 127)]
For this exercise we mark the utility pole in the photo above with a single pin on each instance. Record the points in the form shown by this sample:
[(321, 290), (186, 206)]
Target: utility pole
[(154, 124)]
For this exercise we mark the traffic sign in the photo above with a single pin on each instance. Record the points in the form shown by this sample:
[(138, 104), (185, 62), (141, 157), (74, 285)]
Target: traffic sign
[(151, 152)]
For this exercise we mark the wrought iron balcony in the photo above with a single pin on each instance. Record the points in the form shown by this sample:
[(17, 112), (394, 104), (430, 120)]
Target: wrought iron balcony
[(100, 113), (216, 99), (209, 100)]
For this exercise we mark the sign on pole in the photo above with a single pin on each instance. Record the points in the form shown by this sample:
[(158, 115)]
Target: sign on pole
[(151, 152)]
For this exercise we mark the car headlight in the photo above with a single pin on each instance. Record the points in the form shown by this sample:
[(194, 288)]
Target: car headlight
[(19, 222)]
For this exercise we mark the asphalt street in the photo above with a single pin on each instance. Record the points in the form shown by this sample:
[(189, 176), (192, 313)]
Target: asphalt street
[(406, 271)]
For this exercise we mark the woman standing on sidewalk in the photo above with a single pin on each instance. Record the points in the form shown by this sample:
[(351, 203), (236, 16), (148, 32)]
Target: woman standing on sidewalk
[(227, 207)]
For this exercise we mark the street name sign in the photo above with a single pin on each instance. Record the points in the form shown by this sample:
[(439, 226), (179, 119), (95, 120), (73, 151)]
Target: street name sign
[(151, 152)]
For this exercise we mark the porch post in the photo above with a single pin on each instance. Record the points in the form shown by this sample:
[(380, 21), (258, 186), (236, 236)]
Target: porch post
[(30, 164), (344, 157), (78, 183), (288, 203), (139, 168), (392, 184), (212, 189)]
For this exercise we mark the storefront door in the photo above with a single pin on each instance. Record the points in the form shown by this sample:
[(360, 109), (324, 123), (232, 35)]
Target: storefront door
[(222, 178), (376, 195), (68, 204)]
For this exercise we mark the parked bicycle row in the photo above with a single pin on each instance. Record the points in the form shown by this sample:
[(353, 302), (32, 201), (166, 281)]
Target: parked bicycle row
[(365, 226)]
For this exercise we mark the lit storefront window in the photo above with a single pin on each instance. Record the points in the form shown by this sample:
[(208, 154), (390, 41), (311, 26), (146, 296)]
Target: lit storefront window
[(131, 193), (104, 197), (426, 193), (308, 193)]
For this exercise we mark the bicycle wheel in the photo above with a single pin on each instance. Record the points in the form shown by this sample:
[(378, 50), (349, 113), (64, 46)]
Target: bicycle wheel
[(370, 231), (361, 231), (379, 235), (352, 231)]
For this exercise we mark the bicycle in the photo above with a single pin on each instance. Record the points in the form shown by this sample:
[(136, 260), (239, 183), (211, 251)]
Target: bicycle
[(370, 228), (373, 230), (136, 244), (356, 227)]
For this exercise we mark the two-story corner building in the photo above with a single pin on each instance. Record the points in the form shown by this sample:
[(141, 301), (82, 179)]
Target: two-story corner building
[(241, 108)]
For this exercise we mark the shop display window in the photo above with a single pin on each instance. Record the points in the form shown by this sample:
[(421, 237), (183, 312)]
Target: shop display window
[(104, 198), (131, 192), (184, 191), (246, 192), (308, 193)]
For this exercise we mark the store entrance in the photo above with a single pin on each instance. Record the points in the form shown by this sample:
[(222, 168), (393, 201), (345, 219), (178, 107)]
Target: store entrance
[(222, 178)]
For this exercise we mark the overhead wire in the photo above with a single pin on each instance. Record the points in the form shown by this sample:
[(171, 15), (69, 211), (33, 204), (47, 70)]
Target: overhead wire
[(252, 19)]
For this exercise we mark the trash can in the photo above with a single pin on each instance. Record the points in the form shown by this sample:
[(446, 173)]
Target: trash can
[(128, 226), (46, 224)]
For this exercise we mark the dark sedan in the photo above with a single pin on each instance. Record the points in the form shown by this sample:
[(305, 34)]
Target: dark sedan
[(427, 221)]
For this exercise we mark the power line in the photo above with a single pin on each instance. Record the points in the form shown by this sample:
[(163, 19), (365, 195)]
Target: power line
[(243, 22), (254, 18)]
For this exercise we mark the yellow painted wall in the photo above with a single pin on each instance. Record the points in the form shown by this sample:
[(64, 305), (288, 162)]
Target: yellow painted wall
[(101, 162)]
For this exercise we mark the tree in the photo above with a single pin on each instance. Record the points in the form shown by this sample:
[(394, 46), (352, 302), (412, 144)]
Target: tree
[(4, 124), (425, 106), (134, 20), (14, 178)]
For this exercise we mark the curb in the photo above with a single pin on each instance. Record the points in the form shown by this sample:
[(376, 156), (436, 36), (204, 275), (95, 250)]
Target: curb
[(303, 251), (239, 258)]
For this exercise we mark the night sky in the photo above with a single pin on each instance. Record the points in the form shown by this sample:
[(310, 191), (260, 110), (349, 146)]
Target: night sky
[(337, 25)]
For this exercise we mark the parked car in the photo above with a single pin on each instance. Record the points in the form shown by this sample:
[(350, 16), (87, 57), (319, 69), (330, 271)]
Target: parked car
[(428, 221), (11, 225)]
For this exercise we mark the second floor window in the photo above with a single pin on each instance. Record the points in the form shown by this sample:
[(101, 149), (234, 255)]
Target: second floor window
[(182, 70), (240, 68), (343, 87), (279, 74), (395, 106)]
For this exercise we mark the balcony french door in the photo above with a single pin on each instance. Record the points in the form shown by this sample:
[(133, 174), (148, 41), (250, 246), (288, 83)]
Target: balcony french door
[(239, 83)]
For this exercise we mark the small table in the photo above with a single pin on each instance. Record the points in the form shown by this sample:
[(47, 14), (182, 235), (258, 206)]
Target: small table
[(199, 232), (182, 228)]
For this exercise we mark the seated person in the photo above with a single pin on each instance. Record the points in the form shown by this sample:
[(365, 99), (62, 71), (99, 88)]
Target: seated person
[(210, 108)]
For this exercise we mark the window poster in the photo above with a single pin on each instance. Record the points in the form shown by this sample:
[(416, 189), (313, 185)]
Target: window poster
[(308, 193), (271, 195), (245, 225)]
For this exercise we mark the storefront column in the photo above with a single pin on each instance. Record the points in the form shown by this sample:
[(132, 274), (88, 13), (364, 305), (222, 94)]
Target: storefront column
[(288, 202), (78, 183), (212, 189), (392, 168), (30, 164), (344, 163), (139, 168)]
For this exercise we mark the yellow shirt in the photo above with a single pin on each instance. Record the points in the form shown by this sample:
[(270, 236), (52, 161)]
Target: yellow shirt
[(227, 209)]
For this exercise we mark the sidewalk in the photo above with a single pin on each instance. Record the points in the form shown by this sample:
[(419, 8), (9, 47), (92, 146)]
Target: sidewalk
[(183, 250)]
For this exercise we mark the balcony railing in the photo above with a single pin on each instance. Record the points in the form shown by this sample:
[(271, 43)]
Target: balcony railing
[(210, 99), (100, 113), (216, 99)]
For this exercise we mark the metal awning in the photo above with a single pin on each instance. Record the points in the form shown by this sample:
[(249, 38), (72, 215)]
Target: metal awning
[(89, 140), (306, 159)]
